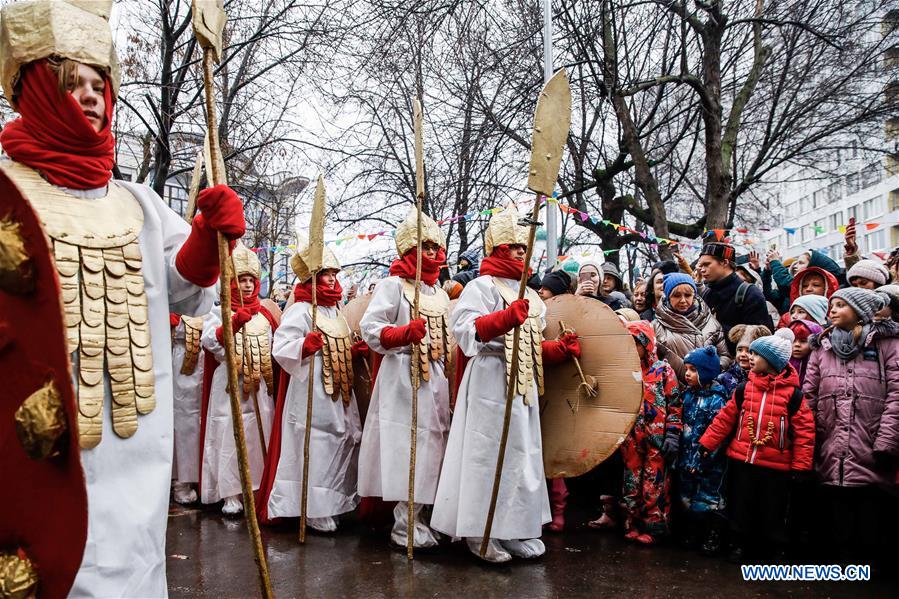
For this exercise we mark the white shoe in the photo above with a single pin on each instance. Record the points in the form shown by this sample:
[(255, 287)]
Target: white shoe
[(423, 538), (495, 552), (184, 493), (529, 548), (233, 506), (322, 524)]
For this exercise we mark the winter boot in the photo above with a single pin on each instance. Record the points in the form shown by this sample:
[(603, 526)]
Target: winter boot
[(184, 494), (711, 544), (558, 496), (528, 548), (423, 537)]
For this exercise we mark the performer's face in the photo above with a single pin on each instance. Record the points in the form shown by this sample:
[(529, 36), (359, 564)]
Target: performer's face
[(429, 250), (247, 284), (88, 91), (517, 252), (328, 277)]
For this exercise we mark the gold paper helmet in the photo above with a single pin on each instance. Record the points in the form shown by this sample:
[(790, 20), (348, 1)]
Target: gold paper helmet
[(298, 261), (32, 30), (407, 233), (504, 229), (246, 262)]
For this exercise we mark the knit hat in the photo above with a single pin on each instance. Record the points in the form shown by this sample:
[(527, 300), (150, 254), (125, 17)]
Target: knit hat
[(721, 251), (814, 305), (643, 333), (608, 268), (776, 349), (803, 329), (678, 278), (706, 361), (865, 302), (893, 292), (665, 266), (871, 270), (592, 263), (557, 281), (742, 335)]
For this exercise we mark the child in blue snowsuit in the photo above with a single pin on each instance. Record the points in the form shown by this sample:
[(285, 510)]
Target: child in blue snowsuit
[(701, 482)]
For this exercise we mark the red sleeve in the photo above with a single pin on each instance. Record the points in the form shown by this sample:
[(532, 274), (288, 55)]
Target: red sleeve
[(803, 426), (721, 427), (554, 352)]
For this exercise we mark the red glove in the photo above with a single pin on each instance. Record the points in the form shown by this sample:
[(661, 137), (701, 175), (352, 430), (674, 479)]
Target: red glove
[(360, 349), (556, 352), (238, 319), (174, 319), (571, 343), (221, 210), (312, 343), (499, 323), (411, 333)]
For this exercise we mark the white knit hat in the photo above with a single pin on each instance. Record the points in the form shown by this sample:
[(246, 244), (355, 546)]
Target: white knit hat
[(871, 270)]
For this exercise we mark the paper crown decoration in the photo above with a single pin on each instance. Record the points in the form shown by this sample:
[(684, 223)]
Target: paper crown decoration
[(407, 233), (245, 260), (503, 229)]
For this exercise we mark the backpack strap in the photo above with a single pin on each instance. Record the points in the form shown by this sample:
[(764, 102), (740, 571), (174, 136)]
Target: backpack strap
[(742, 290), (740, 395), (795, 402)]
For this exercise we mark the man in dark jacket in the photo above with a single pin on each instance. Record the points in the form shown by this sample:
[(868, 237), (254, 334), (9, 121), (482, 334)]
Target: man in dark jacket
[(716, 265), (468, 267)]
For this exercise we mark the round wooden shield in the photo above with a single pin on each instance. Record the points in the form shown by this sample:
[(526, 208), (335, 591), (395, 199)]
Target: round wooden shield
[(353, 312), (273, 308), (580, 431)]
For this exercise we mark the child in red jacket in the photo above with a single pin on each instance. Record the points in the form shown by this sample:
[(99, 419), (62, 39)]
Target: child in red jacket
[(772, 434)]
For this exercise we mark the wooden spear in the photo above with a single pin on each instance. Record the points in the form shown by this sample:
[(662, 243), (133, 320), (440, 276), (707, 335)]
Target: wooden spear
[(416, 313), (314, 263), (552, 120), (208, 22)]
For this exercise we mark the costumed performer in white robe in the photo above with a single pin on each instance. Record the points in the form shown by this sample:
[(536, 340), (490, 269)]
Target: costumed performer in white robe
[(187, 371), (336, 428), (124, 261), (388, 328), (253, 327), (483, 322)]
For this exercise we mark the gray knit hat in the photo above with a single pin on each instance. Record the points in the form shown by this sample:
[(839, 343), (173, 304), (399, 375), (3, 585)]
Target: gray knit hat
[(865, 302), (893, 292), (871, 270)]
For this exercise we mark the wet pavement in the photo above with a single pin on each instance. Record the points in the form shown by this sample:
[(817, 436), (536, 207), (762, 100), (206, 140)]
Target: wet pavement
[(210, 556)]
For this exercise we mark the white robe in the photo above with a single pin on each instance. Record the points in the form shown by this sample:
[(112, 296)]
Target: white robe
[(466, 481), (221, 474), (335, 435), (188, 398), (128, 479), (384, 458)]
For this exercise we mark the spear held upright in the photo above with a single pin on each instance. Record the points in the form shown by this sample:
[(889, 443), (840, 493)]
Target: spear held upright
[(208, 22), (314, 264), (552, 120), (416, 313)]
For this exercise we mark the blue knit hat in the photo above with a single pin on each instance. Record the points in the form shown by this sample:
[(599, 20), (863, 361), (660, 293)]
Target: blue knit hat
[(814, 305), (776, 349), (705, 360), (677, 278)]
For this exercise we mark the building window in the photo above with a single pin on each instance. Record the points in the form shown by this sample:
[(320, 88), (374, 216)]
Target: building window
[(851, 212), (871, 175), (834, 190), (805, 205), (876, 241), (836, 251), (820, 228), (871, 208), (807, 234), (852, 183), (836, 220)]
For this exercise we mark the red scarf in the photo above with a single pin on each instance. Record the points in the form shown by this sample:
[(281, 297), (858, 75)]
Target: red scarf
[(500, 264), (251, 303), (324, 295), (54, 137), (430, 269)]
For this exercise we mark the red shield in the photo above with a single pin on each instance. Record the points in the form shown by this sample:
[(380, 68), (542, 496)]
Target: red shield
[(44, 510)]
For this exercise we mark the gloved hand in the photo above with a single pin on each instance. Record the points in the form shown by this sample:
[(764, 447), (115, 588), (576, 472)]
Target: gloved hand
[(670, 445), (312, 343), (413, 332), (491, 326), (174, 319), (571, 343), (220, 211), (360, 349), (705, 456), (241, 317)]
